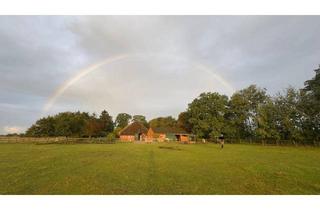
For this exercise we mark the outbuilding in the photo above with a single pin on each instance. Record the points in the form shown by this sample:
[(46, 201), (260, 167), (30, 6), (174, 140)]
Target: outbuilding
[(135, 131), (166, 133)]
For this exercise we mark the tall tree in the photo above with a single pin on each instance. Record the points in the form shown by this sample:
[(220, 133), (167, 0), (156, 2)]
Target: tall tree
[(243, 108), (310, 105), (63, 124), (106, 123), (289, 115), (312, 87), (207, 114), (122, 120), (93, 127), (77, 123), (268, 120)]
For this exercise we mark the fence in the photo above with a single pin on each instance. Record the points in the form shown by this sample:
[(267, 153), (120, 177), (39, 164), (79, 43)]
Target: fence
[(273, 142), (103, 140), (52, 140)]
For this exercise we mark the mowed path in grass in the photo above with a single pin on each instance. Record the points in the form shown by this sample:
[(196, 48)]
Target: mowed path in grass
[(158, 169)]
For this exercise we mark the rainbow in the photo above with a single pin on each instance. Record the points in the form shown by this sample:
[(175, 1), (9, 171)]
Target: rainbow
[(84, 72)]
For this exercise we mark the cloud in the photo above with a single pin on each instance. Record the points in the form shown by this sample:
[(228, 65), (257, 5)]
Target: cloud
[(35, 57), (243, 49), (13, 129)]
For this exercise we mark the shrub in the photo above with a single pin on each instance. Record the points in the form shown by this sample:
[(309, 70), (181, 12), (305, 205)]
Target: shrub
[(111, 138)]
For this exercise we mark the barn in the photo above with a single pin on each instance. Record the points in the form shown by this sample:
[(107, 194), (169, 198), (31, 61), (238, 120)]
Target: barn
[(135, 131), (166, 133)]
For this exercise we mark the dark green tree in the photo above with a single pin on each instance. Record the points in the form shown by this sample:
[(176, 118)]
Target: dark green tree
[(122, 120), (93, 128), (269, 121), (243, 108), (43, 127), (63, 124), (310, 105), (184, 121), (289, 115), (69, 124), (312, 87), (106, 123), (207, 114)]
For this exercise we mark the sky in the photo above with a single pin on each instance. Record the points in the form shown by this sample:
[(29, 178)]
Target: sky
[(149, 65)]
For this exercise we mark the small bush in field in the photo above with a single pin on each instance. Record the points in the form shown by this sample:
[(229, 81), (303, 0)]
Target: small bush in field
[(111, 138)]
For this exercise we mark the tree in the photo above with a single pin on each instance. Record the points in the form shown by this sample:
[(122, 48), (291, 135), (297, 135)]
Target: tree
[(106, 123), (43, 127), (93, 128), (63, 124), (67, 124), (310, 106), (207, 114), (141, 119), (183, 121), (243, 110), (122, 120), (230, 128), (289, 115), (78, 122), (116, 132), (268, 120), (312, 87), (110, 138), (163, 122)]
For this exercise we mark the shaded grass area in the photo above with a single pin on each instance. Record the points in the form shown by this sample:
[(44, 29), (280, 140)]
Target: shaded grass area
[(158, 169)]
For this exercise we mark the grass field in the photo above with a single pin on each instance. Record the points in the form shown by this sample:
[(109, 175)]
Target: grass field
[(158, 169)]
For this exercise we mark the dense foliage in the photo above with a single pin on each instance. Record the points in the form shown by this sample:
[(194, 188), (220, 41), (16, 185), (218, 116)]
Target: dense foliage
[(122, 120), (72, 124), (252, 114)]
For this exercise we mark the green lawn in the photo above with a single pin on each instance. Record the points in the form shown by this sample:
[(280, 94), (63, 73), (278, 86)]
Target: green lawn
[(158, 169)]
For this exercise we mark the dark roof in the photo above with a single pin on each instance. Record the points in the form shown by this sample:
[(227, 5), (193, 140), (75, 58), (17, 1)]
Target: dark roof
[(169, 130), (133, 128)]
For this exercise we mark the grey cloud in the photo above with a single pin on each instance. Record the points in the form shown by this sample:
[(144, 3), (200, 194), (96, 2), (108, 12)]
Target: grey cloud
[(35, 54), (238, 46)]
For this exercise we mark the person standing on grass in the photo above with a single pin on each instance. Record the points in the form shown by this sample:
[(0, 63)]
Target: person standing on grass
[(221, 138)]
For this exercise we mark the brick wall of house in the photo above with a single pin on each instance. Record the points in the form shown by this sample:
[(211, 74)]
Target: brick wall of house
[(126, 138), (161, 137), (184, 138)]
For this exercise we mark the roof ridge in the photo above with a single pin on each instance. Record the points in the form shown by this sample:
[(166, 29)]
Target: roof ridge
[(136, 126)]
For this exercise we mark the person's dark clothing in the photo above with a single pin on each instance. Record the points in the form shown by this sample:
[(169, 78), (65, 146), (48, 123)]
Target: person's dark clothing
[(221, 138)]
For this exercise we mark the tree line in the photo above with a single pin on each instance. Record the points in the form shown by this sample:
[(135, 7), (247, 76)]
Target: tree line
[(250, 113)]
